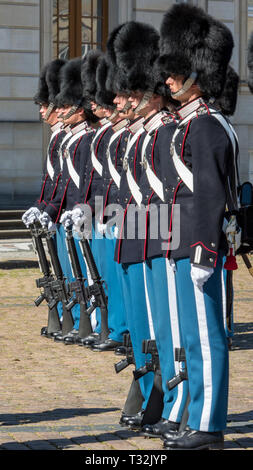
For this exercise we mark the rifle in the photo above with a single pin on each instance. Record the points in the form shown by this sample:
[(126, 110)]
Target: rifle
[(45, 282), (59, 287), (176, 380), (121, 365), (148, 347), (154, 407), (97, 288), (182, 375), (78, 289)]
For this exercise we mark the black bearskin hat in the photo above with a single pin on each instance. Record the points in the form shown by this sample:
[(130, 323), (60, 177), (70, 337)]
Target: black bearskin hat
[(42, 95), (136, 47), (52, 78), (228, 100), (71, 89), (88, 74), (104, 94), (250, 63), (49, 85), (193, 41), (112, 75)]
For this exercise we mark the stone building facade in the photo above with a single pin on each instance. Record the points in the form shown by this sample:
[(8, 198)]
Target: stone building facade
[(29, 32)]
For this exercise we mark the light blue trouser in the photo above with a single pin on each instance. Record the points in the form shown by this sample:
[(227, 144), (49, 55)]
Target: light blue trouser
[(138, 320), (204, 339), (66, 266), (104, 248), (161, 291)]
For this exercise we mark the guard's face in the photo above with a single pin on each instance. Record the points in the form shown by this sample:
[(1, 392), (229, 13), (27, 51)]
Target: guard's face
[(61, 112), (76, 117), (135, 99), (43, 110), (97, 110), (53, 116), (120, 100), (175, 82)]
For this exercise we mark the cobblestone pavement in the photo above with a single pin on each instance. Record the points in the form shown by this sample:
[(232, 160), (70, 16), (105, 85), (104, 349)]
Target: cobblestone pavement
[(58, 397)]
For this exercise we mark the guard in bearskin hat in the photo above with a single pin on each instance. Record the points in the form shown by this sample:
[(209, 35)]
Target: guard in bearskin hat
[(138, 76), (195, 53), (45, 97), (74, 154), (102, 245), (49, 86)]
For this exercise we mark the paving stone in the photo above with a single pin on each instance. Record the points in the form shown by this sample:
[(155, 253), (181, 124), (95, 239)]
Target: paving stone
[(69, 398)]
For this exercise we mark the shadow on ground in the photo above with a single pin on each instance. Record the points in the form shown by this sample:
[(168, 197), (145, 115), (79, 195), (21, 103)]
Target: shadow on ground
[(50, 415)]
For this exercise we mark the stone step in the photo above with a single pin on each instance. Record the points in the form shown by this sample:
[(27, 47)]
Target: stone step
[(11, 224), (11, 214), (11, 234)]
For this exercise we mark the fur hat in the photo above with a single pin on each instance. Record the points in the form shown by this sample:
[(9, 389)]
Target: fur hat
[(52, 78), (105, 93), (112, 80), (88, 74), (42, 95), (250, 63), (71, 89), (193, 41), (136, 48), (228, 100)]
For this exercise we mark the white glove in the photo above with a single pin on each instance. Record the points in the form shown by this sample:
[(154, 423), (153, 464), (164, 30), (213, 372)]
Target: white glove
[(200, 274), (78, 216), (45, 219), (30, 216), (66, 219)]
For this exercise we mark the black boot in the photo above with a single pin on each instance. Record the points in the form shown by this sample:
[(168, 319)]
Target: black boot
[(159, 428), (195, 440)]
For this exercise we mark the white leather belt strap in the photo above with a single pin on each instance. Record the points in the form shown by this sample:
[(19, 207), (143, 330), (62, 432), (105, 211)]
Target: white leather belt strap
[(50, 168), (133, 186), (66, 138), (153, 180), (96, 164), (72, 171), (113, 172), (184, 172)]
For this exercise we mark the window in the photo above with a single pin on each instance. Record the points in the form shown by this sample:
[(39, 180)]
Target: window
[(78, 26)]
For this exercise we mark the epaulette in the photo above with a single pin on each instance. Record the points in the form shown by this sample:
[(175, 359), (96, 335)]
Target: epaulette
[(168, 119), (203, 109)]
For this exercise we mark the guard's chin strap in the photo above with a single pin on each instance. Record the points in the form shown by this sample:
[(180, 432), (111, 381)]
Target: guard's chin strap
[(126, 107), (49, 111), (114, 115), (144, 101), (186, 86), (70, 113)]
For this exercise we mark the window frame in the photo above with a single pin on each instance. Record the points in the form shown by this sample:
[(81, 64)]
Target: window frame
[(75, 42)]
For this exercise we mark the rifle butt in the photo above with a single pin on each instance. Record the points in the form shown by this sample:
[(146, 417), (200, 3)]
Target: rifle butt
[(67, 321), (104, 323), (85, 327), (53, 323)]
